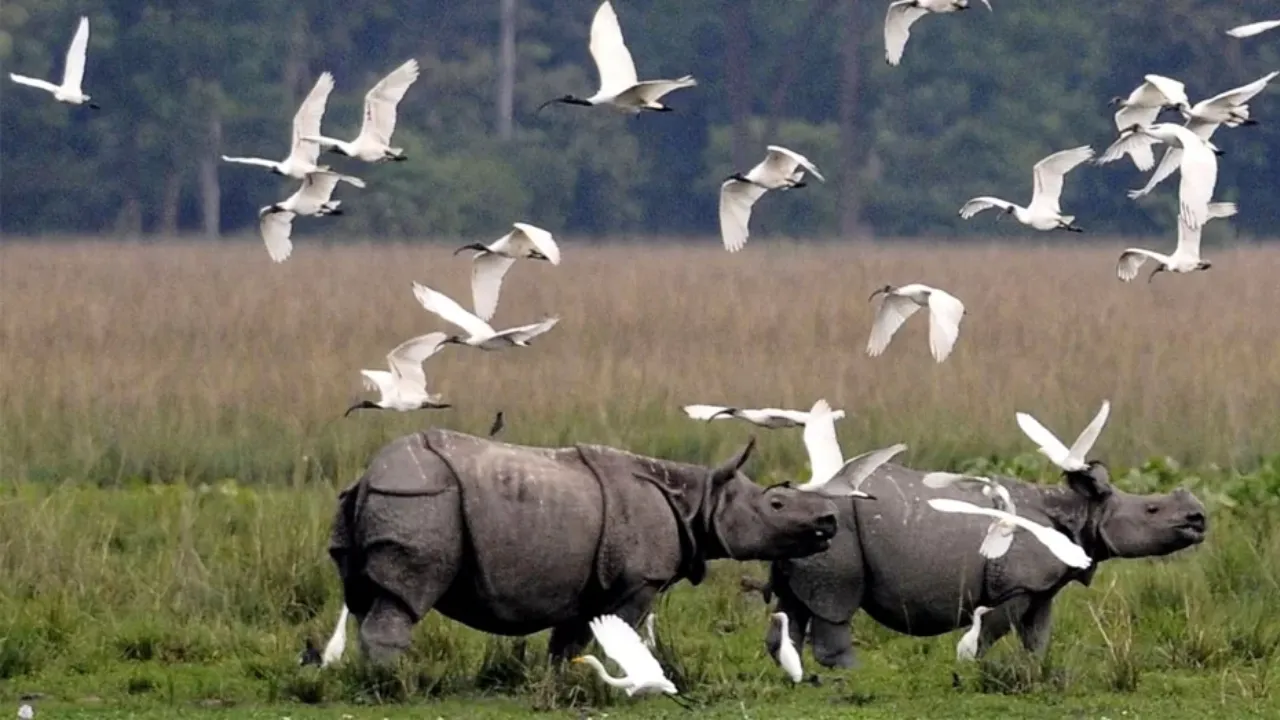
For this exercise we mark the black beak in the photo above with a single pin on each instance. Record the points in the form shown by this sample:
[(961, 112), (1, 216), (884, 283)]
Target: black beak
[(473, 246), (873, 295), (1159, 268)]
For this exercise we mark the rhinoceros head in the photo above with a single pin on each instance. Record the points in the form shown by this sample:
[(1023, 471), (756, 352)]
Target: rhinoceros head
[(752, 523), (1131, 526)]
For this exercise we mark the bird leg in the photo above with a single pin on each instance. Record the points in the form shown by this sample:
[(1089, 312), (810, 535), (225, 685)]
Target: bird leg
[(96, 106), (1072, 228)]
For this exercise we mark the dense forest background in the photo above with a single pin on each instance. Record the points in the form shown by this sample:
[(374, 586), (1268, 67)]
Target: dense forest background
[(979, 98)]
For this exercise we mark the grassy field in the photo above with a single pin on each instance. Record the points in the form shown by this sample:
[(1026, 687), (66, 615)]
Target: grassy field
[(172, 443)]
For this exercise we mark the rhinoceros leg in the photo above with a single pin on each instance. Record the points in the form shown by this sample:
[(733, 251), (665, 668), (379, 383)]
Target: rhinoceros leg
[(385, 630), (568, 640), (997, 623), (832, 644), (1036, 624)]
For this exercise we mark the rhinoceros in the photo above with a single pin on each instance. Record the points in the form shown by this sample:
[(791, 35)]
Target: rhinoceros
[(513, 540), (918, 571)]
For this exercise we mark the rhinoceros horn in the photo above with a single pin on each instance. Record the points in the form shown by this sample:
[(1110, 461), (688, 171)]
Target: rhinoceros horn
[(729, 469)]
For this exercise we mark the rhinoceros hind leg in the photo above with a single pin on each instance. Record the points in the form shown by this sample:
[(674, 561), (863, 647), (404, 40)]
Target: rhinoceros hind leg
[(385, 630), (832, 644), (1035, 626), (568, 640), (997, 623)]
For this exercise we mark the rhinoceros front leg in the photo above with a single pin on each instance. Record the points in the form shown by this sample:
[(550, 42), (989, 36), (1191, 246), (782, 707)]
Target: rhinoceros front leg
[(568, 640), (997, 623), (385, 630), (1036, 625)]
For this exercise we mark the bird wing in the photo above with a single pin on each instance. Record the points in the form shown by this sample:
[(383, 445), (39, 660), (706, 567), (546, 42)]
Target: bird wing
[(945, 313), (613, 60), (406, 358), (784, 162), (998, 540), (276, 229), (897, 28), (736, 199), (1173, 91), (1168, 165), (449, 310), (525, 333), (1132, 260), (1059, 544), (380, 380), (381, 101), (1047, 176), (939, 480), (1189, 240), (704, 412), (1252, 29), (33, 82), (1084, 442), (532, 236), (1241, 95), (894, 310), (983, 202), (623, 645), (318, 186), (307, 121), (1049, 444), (1135, 145), (653, 90), (73, 71), (1199, 176), (487, 272), (821, 443), (849, 477), (250, 161)]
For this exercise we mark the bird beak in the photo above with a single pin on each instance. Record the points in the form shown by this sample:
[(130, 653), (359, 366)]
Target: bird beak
[(873, 295), (578, 660), (535, 112)]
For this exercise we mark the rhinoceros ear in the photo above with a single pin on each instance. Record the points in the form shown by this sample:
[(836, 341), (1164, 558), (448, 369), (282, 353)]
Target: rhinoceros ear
[(1094, 483), (725, 472)]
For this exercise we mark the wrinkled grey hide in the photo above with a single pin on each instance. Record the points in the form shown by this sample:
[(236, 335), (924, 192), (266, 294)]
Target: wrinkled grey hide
[(918, 571), (513, 540)]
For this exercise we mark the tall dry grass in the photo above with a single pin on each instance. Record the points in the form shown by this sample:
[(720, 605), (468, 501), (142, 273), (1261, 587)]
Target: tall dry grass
[(201, 361)]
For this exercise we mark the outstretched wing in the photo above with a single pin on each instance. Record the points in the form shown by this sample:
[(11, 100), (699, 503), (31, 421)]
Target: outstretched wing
[(608, 50), (1195, 189), (406, 358), (623, 645), (1252, 29), (945, 313), (276, 228), (1084, 442), (736, 199), (939, 480), (73, 71), (1173, 91), (1168, 165), (1057, 543), (449, 310), (897, 28), (525, 333), (539, 239), (307, 121), (487, 272), (1189, 240), (984, 202), (250, 161), (381, 101), (894, 310), (1133, 144), (1049, 444), (705, 412), (381, 381), (1132, 259), (1048, 174), (849, 478), (821, 443), (784, 162)]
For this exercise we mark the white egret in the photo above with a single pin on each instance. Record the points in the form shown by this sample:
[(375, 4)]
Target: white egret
[(480, 333), (69, 91), (781, 169), (491, 262), (1044, 211), (1198, 165), (26, 712), (1075, 458), (772, 418), (1252, 29), (404, 388), (302, 154), (1230, 107), (641, 672), (373, 144), (967, 648), (903, 14), (1057, 543), (781, 649), (275, 221), (830, 474), (945, 314), (338, 643), (1000, 532), (1143, 106), (1185, 258), (620, 87)]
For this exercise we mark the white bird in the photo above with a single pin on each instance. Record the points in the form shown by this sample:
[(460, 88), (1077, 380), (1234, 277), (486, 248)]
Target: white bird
[(338, 643), (903, 14), (72, 72), (1198, 165), (1143, 106), (1073, 459), (306, 122), (1057, 543), (945, 314), (275, 221), (1044, 211), (404, 388), (1185, 258), (641, 672), (1252, 29), (480, 333), (967, 648), (772, 418), (491, 262), (781, 169), (373, 144), (781, 649), (620, 87), (26, 712), (830, 474), (1000, 532)]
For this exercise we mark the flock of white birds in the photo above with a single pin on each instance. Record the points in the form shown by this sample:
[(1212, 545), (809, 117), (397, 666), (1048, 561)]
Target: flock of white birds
[(403, 387)]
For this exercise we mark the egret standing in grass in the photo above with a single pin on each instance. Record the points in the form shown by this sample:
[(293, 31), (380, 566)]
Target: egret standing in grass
[(903, 14), (772, 418), (404, 388), (781, 169), (945, 314), (967, 648), (1044, 211), (491, 262), (641, 673), (1073, 459), (781, 649), (620, 87), (72, 72), (373, 144), (1185, 257), (831, 474), (306, 122), (480, 334), (338, 642), (275, 221)]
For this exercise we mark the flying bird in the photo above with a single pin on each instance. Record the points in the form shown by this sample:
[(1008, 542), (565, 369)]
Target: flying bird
[(404, 388), (781, 169), (772, 418), (1073, 459), (480, 333), (498, 424), (945, 314), (830, 474), (1044, 212), (373, 144), (275, 221), (1000, 532), (1143, 106), (620, 87), (302, 155), (491, 262), (778, 643), (72, 72), (1198, 165), (967, 648), (641, 673), (1057, 543), (903, 14), (1252, 29), (1185, 258)]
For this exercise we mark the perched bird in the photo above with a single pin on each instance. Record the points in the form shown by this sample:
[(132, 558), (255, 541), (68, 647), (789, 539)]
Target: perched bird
[(830, 474), (772, 418), (302, 155), (781, 169), (778, 642), (1000, 532), (1185, 258), (1073, 459), (275, 221), (945, 314), (1143, 106), (498, 424), (373, 144), (1044, 212), (1252, 29), (1199, 165), (1057, 543), (620, 87), (967, 648), (72, 72), (641, 672), (404, 388), (491, 262), (480, 333), (903, 14)]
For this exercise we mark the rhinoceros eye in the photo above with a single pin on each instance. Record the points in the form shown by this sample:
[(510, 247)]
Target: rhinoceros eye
[(775, 503), (1152, 508)]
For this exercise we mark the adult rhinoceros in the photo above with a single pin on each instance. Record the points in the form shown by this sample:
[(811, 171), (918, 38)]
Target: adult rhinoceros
[(513, 540), (918, 571)]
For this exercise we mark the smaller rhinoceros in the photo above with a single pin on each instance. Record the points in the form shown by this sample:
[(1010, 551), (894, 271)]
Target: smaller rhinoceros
[(918, 571), (513, 540)]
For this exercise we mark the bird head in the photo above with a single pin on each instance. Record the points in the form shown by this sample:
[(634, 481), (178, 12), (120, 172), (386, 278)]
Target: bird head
[(1159, 269), (1117, 100), (363, 404), (736, 176), (269, 209), (1204, 265), (453, 340), (473, 246), (566, 99), (884, 290), (962, 4)]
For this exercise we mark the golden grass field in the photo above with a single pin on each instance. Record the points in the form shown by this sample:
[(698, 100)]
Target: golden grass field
[(183, 359)]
